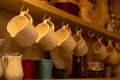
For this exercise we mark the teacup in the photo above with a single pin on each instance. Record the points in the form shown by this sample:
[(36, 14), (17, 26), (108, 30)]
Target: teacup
[(66, 41), (47, 38), (22, 30), (112, 57), (100, 49), (81, 47)]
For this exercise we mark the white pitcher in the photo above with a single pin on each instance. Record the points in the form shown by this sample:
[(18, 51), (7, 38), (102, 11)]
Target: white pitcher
[(13, 67)]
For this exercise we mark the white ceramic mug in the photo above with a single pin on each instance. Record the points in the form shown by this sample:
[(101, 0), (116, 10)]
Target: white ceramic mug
[(21, 29), (47, 38), (81, 47), (100, 49), (66, 41), (112, 57)]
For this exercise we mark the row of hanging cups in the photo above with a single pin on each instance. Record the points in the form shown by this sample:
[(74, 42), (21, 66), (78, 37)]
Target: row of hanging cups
[(106, 53), (21, 28)]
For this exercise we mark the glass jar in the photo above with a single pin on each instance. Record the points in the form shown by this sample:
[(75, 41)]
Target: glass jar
[(79, 66)]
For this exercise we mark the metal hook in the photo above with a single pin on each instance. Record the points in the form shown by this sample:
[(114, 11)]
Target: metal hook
[(99, 38), (65, 26), (44, 16), (110, 42), (76, 29), (81, 30), (90, 34), (78, 32), (63, 22), (49, 18), (22, 6), (27, 11)]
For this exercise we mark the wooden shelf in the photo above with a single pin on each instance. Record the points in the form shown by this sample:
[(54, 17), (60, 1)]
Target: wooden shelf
[(38, 10)]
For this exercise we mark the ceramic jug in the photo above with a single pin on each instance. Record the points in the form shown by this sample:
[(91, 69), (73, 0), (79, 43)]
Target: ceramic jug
[(13, 67)]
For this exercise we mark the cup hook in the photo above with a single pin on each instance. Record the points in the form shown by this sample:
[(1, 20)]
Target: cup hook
[(44, 16), (27, 10), (76, 29), (110, 42), (91, 34), (63, 22), (22, 6), (100, 38)]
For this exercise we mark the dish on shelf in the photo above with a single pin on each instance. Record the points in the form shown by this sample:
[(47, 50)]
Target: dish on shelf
[(69, 7)]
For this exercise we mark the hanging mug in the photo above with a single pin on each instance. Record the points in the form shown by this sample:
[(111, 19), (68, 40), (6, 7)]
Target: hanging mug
[(47, 38), (81, 47), (100, 49), (112, 57), (66, 41), (22, 30)]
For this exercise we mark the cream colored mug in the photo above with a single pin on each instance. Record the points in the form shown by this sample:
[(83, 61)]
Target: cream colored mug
[(100, 49), (66, 42), (112, 57), (81, 47), (22, 30), (47, 38)]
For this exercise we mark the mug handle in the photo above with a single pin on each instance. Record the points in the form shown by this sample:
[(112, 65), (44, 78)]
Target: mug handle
[(66, 27), (25, 13), (110, 43), (5, 61), (50, 23), (79, 32)]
